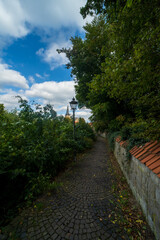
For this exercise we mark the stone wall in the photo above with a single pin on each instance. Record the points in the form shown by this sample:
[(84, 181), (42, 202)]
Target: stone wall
[(144, 184)]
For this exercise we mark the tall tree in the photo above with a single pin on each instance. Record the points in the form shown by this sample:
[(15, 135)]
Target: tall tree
[(116, 66), (85, 57), (109, 7)]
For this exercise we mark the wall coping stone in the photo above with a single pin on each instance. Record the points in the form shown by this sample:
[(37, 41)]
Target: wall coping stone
[(148, 154)]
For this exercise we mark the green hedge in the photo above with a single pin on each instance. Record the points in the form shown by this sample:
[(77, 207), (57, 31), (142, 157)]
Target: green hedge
[(34, 147)]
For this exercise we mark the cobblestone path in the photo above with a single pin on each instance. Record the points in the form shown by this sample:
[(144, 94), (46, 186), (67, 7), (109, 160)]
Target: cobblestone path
[(81, 207)]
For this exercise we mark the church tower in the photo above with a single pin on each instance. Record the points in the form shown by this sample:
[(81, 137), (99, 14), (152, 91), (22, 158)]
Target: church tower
[(67, 115)]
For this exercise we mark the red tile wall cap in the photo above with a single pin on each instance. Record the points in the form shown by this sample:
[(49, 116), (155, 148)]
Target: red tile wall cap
[(154, 148), (145, 151), (134, 149), (148, 143), (157, 170), (141, 153), (155, 165), (151, 145), (123, 143), (152, 160), (150, 156), (140, 149), (118, 139), (157, 150), (144, 156)]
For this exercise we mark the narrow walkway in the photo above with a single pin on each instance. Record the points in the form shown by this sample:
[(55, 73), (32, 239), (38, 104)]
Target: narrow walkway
[(81, 208)]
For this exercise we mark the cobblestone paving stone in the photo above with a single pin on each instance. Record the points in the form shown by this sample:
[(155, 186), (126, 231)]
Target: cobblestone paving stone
[(80, 209)]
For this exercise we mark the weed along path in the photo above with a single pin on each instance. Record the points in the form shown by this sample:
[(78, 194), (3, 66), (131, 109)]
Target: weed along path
[(80, 209)]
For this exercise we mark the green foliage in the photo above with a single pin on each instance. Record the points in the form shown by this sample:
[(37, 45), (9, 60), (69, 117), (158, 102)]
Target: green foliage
[(134, 133), (85, 57), (135, 130), (116, 124), (85, 135), (35, 146), (109, 7), (111, 138), (36, 186), (117, 65), (126, 132)]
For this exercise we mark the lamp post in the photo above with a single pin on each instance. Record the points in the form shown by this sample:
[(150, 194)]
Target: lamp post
[(73, 105)]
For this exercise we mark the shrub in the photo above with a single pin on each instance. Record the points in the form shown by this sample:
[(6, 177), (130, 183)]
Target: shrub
[(35, 146), (111, 138)]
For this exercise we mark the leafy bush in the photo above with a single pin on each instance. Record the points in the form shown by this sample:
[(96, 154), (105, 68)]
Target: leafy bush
[(111, 138), (135, 132), (126, 132), (35, 146), (38, 185), (115, 125), (88, 142)]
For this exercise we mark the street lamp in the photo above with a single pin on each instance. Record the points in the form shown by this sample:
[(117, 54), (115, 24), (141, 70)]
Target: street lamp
[(73, 105)]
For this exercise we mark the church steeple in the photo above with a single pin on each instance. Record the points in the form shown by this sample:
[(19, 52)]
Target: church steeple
[(67, 112)]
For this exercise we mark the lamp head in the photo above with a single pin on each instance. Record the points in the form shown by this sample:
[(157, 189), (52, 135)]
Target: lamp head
[(73, 104)]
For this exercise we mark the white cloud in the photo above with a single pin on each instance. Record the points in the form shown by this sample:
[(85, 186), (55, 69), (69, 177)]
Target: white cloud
[(57, 93), (53, 13), (11, 77), (12, 19), (63, 108), (51, 55), (8, 98), (85, 113), (17, 17), (31, 79), (20, 17), (38, 75), (46, 75)]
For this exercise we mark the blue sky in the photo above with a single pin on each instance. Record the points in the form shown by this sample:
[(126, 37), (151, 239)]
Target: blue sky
[(30, 33)]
